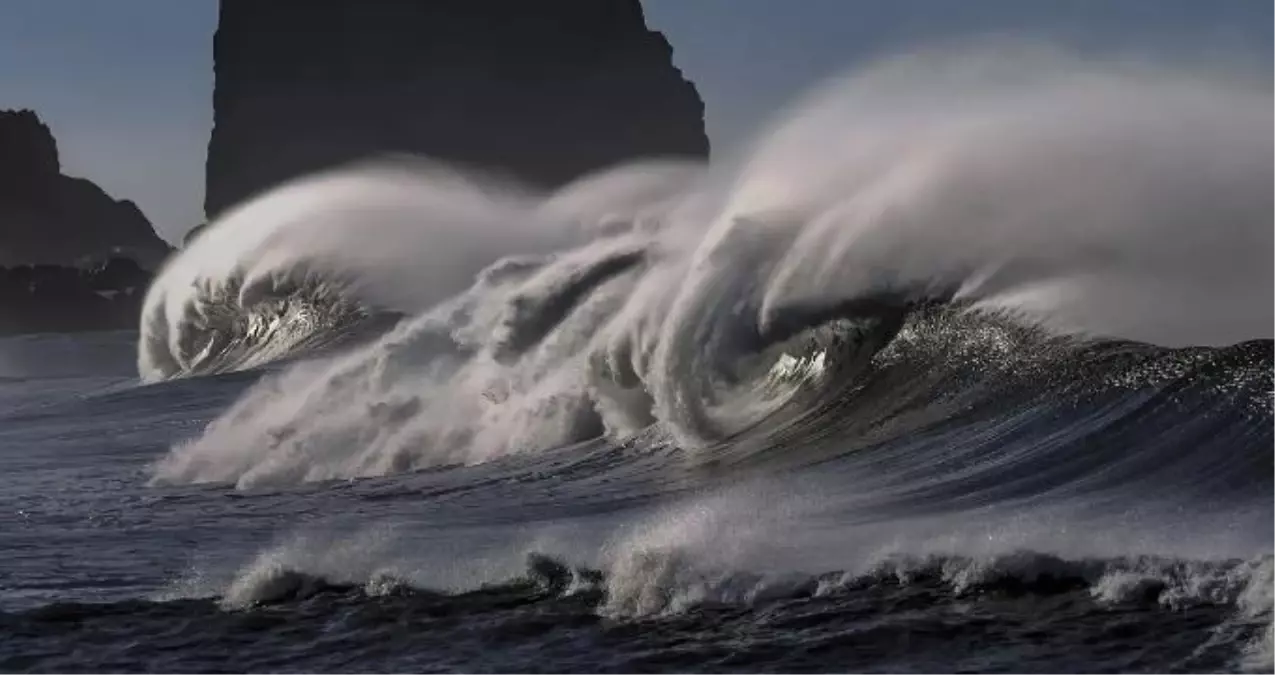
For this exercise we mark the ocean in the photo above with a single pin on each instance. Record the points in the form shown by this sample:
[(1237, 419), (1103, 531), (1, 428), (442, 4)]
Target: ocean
[(958, 369)]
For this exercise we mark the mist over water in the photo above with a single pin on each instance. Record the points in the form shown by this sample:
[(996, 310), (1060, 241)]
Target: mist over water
[(1094, 199)]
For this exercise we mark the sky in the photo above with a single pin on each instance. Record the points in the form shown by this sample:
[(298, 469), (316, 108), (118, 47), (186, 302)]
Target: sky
[(126, 85)]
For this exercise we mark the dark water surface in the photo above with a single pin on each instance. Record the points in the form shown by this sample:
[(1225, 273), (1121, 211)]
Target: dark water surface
[(1113, 517)]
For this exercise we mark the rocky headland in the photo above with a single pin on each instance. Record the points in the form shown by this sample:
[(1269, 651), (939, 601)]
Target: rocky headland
[(72, 257)]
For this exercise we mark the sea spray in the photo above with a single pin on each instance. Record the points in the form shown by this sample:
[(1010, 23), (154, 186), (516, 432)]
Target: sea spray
[(1092, 199)]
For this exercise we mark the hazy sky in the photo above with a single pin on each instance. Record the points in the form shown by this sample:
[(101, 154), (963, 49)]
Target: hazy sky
[(126, 85)]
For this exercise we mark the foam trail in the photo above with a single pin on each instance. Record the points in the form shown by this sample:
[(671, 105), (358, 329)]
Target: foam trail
[(1108, 200)]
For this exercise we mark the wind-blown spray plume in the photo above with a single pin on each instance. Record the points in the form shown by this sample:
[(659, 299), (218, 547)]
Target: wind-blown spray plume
[(1051, 197)]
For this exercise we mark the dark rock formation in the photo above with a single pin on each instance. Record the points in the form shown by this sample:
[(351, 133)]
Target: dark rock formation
[(50, 218), (58, 298), (542, 90), (69, 253)]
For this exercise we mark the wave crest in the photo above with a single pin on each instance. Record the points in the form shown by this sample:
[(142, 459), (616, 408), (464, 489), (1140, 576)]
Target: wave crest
[(1088, 199)]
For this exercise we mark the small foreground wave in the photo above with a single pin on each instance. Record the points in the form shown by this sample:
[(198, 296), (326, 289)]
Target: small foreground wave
[(1044, 614)]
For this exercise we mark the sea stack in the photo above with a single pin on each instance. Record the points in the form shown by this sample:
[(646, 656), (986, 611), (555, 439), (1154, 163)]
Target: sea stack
[(541, 91)]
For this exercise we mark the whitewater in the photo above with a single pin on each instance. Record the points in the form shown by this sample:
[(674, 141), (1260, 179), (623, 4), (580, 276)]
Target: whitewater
[(964, 362)]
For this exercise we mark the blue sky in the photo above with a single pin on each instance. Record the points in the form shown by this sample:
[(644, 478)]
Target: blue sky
[(127, 84)]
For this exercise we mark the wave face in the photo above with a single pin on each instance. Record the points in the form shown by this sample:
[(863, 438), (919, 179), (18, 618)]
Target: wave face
[(954, 225)]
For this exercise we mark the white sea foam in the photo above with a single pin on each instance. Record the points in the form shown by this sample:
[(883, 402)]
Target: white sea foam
[(1105, 199)]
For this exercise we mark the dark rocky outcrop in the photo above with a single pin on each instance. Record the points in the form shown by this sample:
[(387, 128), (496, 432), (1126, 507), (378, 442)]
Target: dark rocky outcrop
[(542, 90), (50, 218), (60, 298), (69, 253)]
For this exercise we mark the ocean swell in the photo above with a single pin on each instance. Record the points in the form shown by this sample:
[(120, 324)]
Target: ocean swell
[(1065, 217)]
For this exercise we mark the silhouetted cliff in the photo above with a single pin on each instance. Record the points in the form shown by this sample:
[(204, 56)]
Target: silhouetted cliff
[(69, 253), (544, 90), (50, 218)]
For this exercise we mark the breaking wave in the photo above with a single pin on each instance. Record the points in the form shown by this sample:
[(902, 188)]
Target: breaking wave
[(996, 216)]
